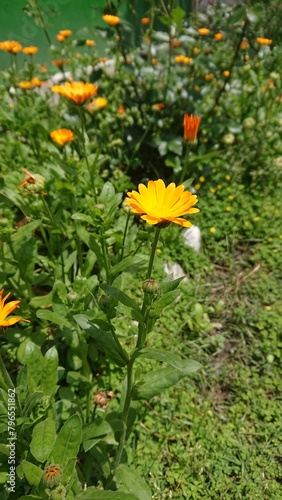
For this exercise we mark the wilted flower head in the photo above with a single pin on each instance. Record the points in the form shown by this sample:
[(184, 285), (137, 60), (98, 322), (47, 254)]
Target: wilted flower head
[(78, 92), (31, 50), (11, 46), (6, 309), (111, 20), (34, 183), (191, 125), (161, 205), (62, 136), (203, 31), (264, 41)]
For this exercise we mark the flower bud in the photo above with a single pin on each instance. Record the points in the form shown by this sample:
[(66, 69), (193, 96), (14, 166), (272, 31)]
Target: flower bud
[(150, 286), (52, 475), (228, 139), (59, 493)]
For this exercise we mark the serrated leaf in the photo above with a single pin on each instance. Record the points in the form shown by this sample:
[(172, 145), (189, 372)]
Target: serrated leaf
[(156, 381), (32, 473), (93, 494), (68, 441), (43, 438), (133, 482), (53, 317)]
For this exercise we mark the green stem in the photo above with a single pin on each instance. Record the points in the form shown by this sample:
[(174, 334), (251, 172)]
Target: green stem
[(125, 414), (106, 257), (186, 163), (124, 235), (83, 128), (153, 251)]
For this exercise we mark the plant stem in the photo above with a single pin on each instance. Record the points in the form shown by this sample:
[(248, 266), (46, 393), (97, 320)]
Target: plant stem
[(124, 235), (186, 162), (82, 121), (125, 413), (153, 251)]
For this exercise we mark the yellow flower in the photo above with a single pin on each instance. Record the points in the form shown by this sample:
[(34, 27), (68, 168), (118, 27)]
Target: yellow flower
[(191, 125), (268, 308), (228, 209), (198, 186), (145, 20), (25, 85), (256, 219), (11, 46), (203, 31), (218, 36), (212, 229), (181, 59), (246, 223), (31, 50), (78, 92), (264, 41), (98, 103), (62, 136), (228, 177), (60, 38), (202, 178), (196, 50), (36, 82), (6, 309), (231, 197), (158, 204), (209, 76), (65, 33), (90, 43), (111, 20), (212, 190), (226, 73)]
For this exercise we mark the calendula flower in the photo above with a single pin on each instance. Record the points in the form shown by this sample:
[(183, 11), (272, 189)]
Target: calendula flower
[(244, 45), (36, 82), (209, 76), (11, 46), (62, 136), (65, 33), (7, 309), (196, 50), (59, 63), (98, 103), (158, 204), (218, 36), (111, 20), (264, 41), (191, 125), (78, 92), (212, 230), (158, 106), (90, 43), (145, 20), (226, 73), (181, 59), (25, 85), (52, 475), (121, 110), (60, 38), (203, 31), (31, 50), (176, 43)]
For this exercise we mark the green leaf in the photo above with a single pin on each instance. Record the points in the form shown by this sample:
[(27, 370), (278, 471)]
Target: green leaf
[(169, 284), (32, 473), (255, 13), (34, 362), (121, 297), (54, 318), (104, 339), (156, 381), (93, 494), (94, 432), (132, 263), (41, 300), (237, 14), (159, 355), (133, 482), (43, 438), (178, 15), (162, 302), (26, 230), (83, 217), (49, 373), (68, 441)]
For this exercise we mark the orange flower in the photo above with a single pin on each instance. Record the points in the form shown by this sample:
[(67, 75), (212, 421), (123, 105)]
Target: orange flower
[(11, 46), (62, 136), (158, 106), (145, 20), (65, 33), (90, 43), (196, 50), (111, 20), (209, 76), (60, 38), (98, 103), (191, 125), (244, 45), (176, 43), (158, 204), (226, 73), (218, 36), (264, 41), (181, 59), (121, 110), (31, 50), (78, 92), (25, 85), (36, 82), (203, 31), (59, 63), (6, 309)]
